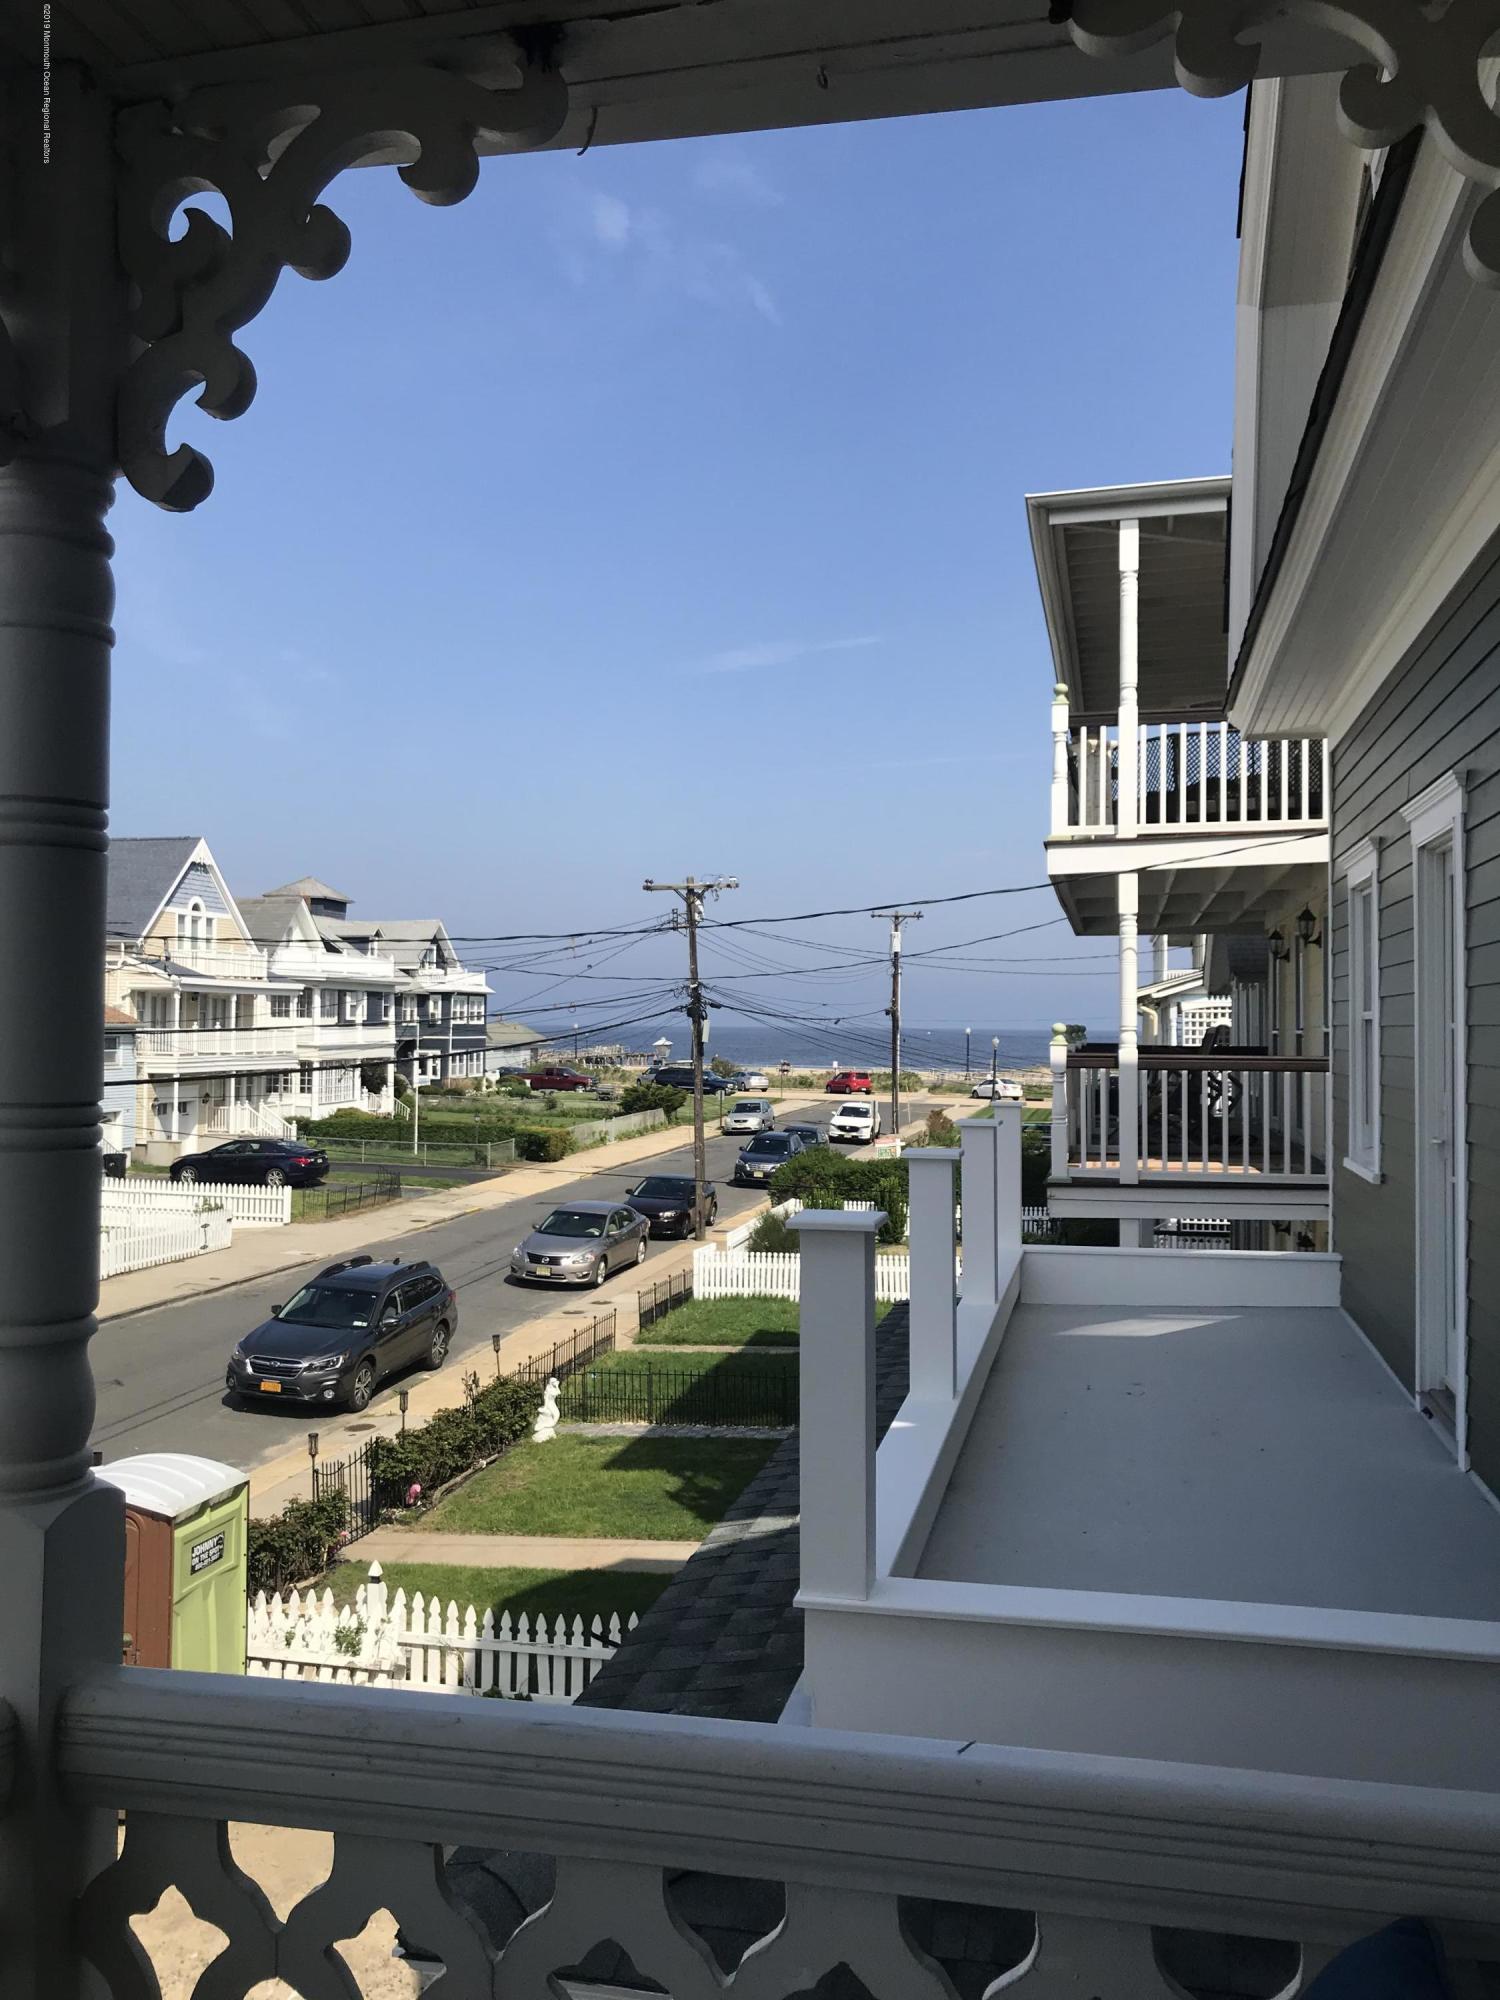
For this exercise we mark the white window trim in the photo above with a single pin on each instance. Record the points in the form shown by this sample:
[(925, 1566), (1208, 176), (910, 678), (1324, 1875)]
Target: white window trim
[(1435, 814), (1362, 870)]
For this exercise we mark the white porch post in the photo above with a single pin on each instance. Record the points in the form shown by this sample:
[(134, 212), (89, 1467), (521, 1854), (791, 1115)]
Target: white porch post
[(1130, 710), (1060, 758), (838, 1399), (1008, 1118), (933, 1309), (1129, 1072), (981, 1250), (61, 1532), (1059, 1053)]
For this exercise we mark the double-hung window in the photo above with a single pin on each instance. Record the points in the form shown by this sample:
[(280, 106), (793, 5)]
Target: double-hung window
[(1362, 886)]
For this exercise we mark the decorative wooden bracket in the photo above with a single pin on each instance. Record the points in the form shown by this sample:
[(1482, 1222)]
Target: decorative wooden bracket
[(1426, 71), (270, 155)]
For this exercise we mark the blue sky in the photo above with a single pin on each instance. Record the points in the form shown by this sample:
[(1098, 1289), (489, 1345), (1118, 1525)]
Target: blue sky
[(661, 510)]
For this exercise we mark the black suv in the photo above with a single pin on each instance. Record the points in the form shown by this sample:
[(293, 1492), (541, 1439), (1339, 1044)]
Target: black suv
[(347, 1329)]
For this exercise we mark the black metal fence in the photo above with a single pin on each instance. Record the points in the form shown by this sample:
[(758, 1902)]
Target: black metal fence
[(758, 1398), (352, 1477), (576, 1352), (658, 1299), (335, 1198)]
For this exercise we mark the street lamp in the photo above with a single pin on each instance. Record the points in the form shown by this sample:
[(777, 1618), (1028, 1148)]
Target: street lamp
[(495, 1343), (994, 1064), (967, 1033)]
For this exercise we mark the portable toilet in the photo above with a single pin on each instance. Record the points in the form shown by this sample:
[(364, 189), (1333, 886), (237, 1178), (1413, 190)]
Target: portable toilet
[(185, 1560)]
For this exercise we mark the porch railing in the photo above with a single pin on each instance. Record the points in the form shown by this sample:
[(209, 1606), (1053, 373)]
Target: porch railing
[(1075, 1873), (185, 1046), (1200, 1115), (1187, 775)]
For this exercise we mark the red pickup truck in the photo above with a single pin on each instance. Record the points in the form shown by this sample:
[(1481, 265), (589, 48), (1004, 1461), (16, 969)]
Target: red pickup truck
[(559, 1079)]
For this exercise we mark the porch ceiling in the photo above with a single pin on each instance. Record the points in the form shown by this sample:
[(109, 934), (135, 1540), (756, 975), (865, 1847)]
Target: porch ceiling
[(1184, 662), (1256, 1455), (644, 69), (1233, 898)]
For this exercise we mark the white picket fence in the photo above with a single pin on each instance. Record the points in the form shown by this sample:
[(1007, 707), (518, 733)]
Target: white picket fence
[(777, 1274), (740, 1233), (382, 1641), (255, 1206), (136, 1242)]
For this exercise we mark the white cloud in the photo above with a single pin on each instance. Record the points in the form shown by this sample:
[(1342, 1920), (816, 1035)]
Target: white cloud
[(667, 261), (612, 222), (730, 172), (779, 653)]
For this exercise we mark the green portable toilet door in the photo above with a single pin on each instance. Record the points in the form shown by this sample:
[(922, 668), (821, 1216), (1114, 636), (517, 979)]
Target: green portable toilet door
[(208, 1588)]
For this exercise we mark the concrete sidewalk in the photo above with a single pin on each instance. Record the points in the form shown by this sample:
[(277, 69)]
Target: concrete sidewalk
[(258, 1253), (413, 1545)]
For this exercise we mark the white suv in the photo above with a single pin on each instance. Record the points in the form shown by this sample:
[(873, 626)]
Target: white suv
[(857, 1122)]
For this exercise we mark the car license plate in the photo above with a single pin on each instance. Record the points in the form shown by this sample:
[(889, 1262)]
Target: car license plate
[(270, 1388)]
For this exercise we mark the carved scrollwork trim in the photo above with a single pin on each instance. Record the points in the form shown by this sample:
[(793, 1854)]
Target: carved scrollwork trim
[(270, 155), (1426, 70)]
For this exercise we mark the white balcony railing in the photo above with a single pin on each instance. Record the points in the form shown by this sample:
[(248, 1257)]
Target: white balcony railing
[(821, 1850), (245, 1121), (1200, 1115), (187, 1047), (248, 963), (1187, 776)]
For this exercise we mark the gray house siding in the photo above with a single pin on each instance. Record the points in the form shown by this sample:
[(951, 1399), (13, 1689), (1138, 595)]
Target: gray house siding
[(1439, 712), (198, 881)]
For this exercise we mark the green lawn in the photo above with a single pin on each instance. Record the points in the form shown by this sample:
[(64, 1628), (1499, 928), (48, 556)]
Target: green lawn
[(725, 1323), (657, 1489), (650, 1360), (552, 1593)]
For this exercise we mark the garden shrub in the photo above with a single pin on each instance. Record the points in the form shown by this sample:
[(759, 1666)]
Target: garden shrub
[(821, 1178), (1036, 1165), (654, 1097), (549, 1143), (454, 1440), (772, 1232), (298, 1542), (941, 1130)]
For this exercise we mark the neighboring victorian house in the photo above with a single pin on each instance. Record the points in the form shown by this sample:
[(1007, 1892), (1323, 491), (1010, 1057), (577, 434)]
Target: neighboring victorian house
[(213, 1062), (339, 996), (117, 1099), (440, 1004)]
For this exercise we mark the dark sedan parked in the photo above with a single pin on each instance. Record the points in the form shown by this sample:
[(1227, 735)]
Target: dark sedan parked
[(344, 1331), (667, 1202), (765, 1153), (268, 1162)]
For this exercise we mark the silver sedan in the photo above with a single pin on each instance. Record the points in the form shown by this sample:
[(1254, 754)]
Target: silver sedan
[(581, 1244)]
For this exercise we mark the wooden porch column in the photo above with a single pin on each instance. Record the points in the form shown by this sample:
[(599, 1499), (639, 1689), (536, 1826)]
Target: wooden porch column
[(1058, 1050), (838, 1398), (1129, 1072), (1060, 758), (1130, 708), (61, 1532), (933, 1308)]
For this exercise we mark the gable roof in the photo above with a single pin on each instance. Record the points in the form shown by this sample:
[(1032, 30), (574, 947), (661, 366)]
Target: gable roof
[(402, 938), (510, 1034), (116, 1017), (307, 886), (142, 874), (270, 917)]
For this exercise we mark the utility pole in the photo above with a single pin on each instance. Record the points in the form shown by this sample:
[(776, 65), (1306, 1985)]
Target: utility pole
[(897, 919), (693, 893)]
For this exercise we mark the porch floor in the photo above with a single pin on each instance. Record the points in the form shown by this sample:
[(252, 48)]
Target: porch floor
[(1262, 1456)]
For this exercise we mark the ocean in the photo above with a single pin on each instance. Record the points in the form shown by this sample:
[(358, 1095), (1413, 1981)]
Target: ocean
[(865, 1045)]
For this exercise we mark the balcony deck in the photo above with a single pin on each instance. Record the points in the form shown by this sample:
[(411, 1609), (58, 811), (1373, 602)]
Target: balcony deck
[(1257, 1456)]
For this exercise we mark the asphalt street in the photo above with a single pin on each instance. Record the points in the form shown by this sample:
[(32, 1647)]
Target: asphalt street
[(159, 1376)]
